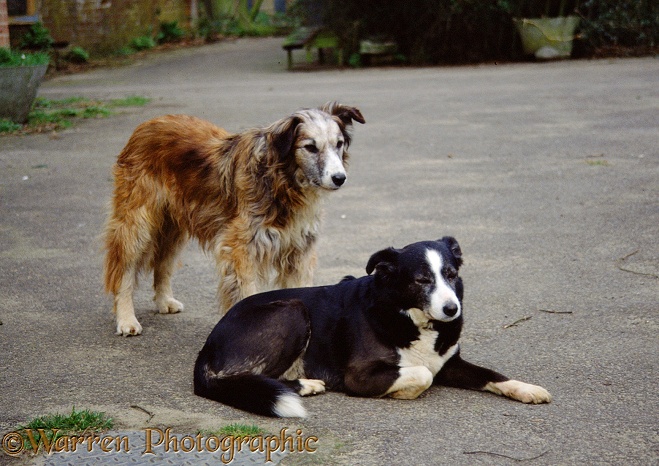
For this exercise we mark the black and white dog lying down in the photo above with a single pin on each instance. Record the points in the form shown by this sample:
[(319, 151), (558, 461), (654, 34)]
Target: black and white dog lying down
[(392, 333)]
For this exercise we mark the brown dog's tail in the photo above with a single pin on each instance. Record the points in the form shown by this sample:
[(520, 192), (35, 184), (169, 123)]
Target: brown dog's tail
[(114, 258)]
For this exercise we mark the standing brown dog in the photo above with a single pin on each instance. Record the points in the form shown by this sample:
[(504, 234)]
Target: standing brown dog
[(252, 199)]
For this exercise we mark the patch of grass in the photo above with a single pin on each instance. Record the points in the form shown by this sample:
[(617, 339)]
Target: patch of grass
[(11, 58), (61, 118), (8, 126), (94, 111), (130, 101), (235, 430), (75, 423), (597, 163), (52, 115)]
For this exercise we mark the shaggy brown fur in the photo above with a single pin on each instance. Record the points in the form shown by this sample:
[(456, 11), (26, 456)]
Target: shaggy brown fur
[(251, 199)]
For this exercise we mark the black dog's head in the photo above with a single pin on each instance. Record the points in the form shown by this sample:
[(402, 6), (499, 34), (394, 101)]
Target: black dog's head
[(423, 276)]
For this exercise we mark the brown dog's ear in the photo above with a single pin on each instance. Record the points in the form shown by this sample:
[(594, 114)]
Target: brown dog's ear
[(284, 133), (344, 113), (383, 262)]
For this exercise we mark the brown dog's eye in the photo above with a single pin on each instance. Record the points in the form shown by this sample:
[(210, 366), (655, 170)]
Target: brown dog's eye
[(339, 144), (311, 148)]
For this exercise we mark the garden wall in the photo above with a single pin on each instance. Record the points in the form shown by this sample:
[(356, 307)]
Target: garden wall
[(105, 26)]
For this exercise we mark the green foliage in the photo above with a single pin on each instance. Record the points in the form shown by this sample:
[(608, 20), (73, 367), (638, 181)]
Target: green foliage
[(37, 38), (143, 43), (236, 430), (355, 60), (627, 23), (463, 31), (8, 126), (83, 421), (13, 58), (426, 31), (538, 8), (50, 114), (77, 55), (170, 32), (209, 29), (238, 18), (130, 101)]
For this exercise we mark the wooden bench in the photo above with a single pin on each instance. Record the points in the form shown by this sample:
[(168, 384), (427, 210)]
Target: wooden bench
[(310, 38)]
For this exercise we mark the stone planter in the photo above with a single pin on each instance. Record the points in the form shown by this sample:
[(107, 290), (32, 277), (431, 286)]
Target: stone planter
[(18, 89), (547, 38)]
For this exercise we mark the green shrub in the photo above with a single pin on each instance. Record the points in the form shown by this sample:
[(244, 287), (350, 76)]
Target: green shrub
[(463, 31), (77, 55), (37, 38), (170, 32), (426, 31), (627, 23), (143, 43), (209, 29), (8, 126), (538, 8)]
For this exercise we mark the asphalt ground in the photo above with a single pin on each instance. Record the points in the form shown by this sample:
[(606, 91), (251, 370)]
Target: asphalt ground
[(546, 173)]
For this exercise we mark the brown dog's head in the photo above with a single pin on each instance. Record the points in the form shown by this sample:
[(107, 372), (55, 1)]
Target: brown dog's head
[(316, 141)]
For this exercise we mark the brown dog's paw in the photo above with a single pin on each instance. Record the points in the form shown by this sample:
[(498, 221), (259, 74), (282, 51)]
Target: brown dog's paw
[(169, 305), (129, 327)]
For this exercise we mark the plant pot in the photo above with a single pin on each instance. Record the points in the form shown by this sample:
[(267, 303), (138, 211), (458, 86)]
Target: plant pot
[(19, 85), (547, 38)]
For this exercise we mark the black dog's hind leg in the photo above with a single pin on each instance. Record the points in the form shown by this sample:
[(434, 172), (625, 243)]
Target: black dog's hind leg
[(459, 373), (305, 387), (246, 354)]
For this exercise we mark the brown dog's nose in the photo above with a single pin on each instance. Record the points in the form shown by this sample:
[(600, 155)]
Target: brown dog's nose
[(339, 179)]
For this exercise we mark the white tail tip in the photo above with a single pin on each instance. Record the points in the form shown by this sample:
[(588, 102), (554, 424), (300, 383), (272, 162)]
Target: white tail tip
[(289, 406)]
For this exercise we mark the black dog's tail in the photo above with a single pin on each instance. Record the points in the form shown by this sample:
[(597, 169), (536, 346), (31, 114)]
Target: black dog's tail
[(256, 394)]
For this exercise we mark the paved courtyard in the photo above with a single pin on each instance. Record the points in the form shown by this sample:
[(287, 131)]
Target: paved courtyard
[(546, 173)]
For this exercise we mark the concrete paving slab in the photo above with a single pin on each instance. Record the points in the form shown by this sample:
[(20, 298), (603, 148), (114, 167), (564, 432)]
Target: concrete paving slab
[(547, 174)]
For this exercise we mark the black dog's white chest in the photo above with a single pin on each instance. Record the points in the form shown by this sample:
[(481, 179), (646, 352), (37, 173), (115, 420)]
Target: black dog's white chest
[(422, 351)]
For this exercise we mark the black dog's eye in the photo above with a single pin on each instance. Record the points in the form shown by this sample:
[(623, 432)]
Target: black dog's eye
[(339, 144), (311, 148), (451, 274), (423, 280)]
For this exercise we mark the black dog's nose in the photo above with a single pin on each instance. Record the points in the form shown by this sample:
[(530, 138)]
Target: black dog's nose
[(339, 179), (450, 309)]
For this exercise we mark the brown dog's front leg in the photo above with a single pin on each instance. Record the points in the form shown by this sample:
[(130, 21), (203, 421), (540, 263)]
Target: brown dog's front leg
[(236, 272)]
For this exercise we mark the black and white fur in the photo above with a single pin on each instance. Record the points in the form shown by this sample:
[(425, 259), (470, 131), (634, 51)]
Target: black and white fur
[(392, 333)]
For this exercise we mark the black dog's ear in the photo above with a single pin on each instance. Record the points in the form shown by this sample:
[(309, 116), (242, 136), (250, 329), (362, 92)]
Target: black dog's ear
[(344, 113), (383, 262), (284, 133), (453, 245)]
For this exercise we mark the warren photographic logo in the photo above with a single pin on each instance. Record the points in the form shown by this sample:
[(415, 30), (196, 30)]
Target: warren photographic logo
[(158, 441)]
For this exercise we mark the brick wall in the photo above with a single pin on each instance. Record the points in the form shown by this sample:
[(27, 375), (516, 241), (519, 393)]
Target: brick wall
[(105, 26), (4, 24)]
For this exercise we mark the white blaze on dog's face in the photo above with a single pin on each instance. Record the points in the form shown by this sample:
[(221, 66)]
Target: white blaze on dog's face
[(319, 150), (424, 276), (444, 304)]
